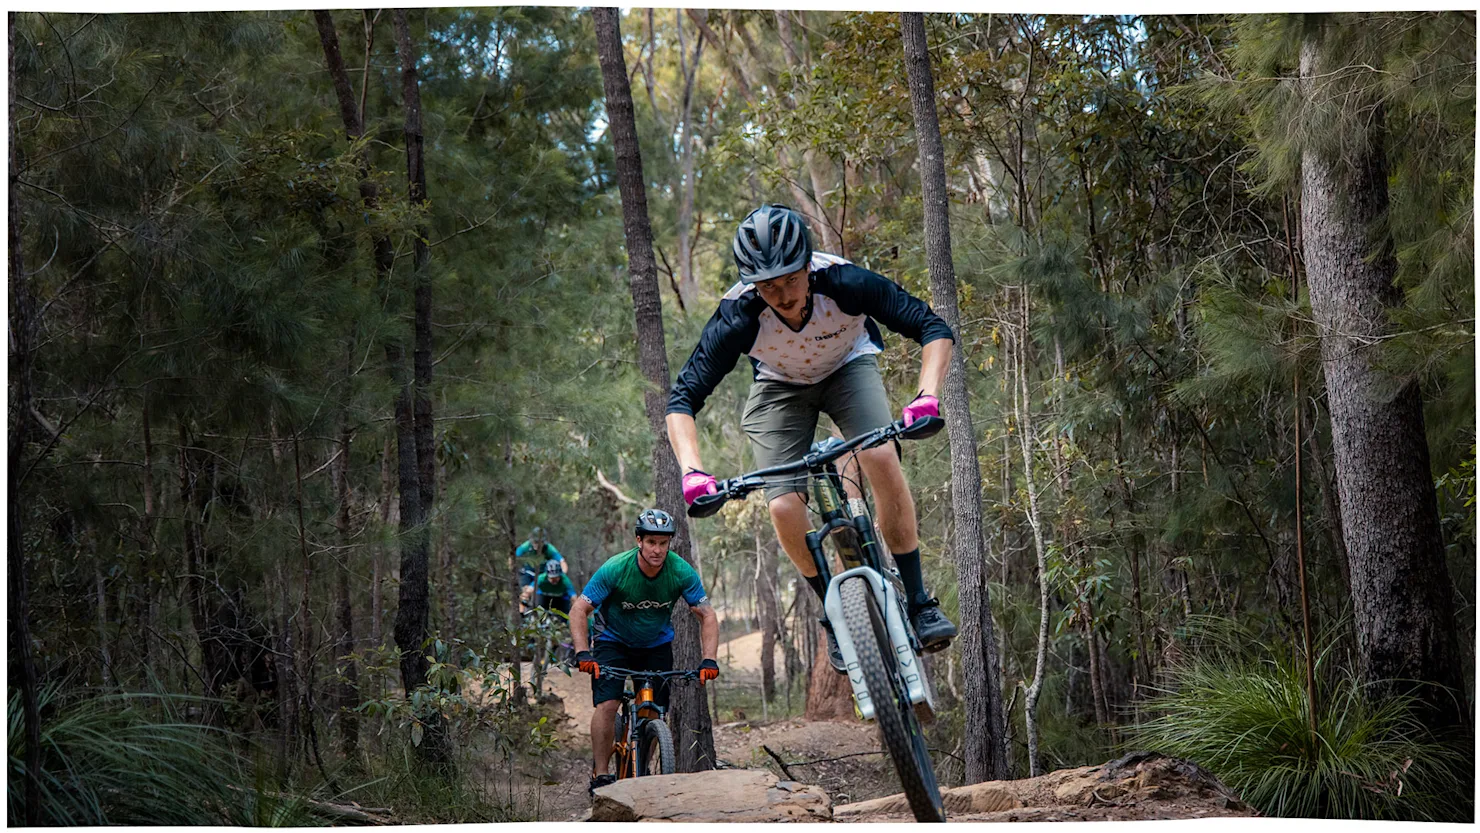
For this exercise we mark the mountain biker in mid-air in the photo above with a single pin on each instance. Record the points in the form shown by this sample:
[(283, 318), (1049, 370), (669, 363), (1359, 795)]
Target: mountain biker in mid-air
[(530, 558), (806, 320), (633, 593), (553, 589)]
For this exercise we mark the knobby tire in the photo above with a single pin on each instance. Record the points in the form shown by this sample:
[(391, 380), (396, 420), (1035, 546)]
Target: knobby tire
[(892, 708), (657, 749)]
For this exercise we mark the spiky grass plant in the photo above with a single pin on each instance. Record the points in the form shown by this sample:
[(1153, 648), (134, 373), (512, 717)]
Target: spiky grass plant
[(131, 759), (1247, 720)]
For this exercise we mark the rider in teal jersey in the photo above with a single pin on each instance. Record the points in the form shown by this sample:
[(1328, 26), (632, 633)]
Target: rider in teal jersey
[(530, 558), (633, 593)]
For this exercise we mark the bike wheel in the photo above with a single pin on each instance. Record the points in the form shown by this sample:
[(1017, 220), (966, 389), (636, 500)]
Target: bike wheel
[(892, 708), (657, 756)]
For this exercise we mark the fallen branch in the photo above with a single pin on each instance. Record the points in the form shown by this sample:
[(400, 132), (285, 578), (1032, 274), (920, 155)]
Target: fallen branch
[(780, 763), (365, 815)]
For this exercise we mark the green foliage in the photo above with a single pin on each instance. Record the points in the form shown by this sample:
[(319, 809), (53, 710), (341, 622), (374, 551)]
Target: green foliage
[(1247, 719), (139, 760)]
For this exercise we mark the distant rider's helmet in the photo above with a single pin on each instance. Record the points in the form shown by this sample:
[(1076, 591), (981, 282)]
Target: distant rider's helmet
[(537, 537), (654, 522), (771, 242)]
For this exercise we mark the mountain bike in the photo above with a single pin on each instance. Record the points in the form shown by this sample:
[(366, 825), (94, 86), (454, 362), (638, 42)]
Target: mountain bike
[(644, 743), (865, 603)]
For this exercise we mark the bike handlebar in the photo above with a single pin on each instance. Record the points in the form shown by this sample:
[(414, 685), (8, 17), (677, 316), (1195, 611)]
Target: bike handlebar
[(624, 673), (739, 487)]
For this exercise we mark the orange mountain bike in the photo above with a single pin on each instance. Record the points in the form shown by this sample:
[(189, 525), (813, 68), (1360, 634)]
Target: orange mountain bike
[(644, 743)]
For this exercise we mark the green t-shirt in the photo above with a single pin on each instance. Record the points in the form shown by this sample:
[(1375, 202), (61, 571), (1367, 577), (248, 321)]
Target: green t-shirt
[(635, 610), (561, 587)]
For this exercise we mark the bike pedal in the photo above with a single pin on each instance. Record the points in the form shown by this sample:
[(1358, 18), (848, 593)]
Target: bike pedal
[(937, 647)]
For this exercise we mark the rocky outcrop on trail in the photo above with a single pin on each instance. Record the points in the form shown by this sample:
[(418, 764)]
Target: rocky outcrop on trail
[(751, 795), (1141, 785)]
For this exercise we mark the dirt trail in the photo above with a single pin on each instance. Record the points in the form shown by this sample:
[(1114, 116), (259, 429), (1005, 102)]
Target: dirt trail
[(846, 760)]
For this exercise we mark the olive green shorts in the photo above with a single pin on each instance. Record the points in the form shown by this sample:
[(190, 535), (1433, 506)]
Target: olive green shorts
[(781, 418)]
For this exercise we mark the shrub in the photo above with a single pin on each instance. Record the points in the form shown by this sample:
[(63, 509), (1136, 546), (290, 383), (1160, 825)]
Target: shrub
[(1247, 720)]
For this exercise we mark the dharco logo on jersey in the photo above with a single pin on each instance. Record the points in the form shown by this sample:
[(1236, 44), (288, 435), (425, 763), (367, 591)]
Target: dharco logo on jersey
[(645, 604)]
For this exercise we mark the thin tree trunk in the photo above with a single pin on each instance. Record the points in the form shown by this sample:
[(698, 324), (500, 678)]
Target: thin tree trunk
[(1027, 437), (688, 283), (416, 177), (377, 604), (1402, 596), (985, 751), (691, 718), (22, 359), (304, 616), (349, 721), (770, 613)]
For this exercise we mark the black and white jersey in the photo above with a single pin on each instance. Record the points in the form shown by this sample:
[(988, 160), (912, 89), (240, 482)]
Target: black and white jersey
[(846, 300)]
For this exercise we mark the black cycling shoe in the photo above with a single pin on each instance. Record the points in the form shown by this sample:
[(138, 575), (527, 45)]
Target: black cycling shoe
[(601, 781), (932, 627), (834, 655)]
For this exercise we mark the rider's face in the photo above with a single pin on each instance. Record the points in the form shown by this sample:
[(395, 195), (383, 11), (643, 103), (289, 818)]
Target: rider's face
[(652, 550), (787, 295)]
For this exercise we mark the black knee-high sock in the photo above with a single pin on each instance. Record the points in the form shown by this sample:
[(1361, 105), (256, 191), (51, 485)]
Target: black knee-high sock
[(817, 586), (909, 573)]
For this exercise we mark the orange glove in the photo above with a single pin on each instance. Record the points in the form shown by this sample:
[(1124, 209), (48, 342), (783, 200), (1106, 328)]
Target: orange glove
[(586, 664), (708, 670)]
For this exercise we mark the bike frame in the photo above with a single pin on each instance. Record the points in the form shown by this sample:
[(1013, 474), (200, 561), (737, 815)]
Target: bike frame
[(639, 707), (837, 511)]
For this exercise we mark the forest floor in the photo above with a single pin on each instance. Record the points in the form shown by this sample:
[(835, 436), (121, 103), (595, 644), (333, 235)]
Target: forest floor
[(844, 758)]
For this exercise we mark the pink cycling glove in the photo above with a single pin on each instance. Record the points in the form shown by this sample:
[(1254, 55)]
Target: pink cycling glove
[(697, 483), (923, 406)]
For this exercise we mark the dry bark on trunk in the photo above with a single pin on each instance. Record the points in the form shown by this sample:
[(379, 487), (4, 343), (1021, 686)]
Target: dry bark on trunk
[(690, 714), (1402, 595), (985, 752)]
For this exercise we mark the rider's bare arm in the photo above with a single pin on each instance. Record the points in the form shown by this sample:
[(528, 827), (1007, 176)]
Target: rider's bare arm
[(935, 360), (580, 635), (708, 629), (683, 435)]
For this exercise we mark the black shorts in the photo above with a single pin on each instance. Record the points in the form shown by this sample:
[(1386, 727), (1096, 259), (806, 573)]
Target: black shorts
[(607, 652)]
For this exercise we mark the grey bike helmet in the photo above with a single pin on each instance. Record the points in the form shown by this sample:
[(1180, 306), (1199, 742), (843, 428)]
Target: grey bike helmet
[(654, 522), (537, 536), (771, 242)]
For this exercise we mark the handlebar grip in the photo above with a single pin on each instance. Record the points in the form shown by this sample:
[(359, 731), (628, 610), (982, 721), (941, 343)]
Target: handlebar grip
[(706, 505), (923, 427)]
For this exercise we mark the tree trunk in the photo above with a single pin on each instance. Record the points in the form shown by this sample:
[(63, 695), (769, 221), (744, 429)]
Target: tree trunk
[(349, 720), (688, 282), (22, 344), (985, 752), (416, 178), (691, 719), (1027, 438), (411, 613), (1402, 596), (829, 694), (770, 610)]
